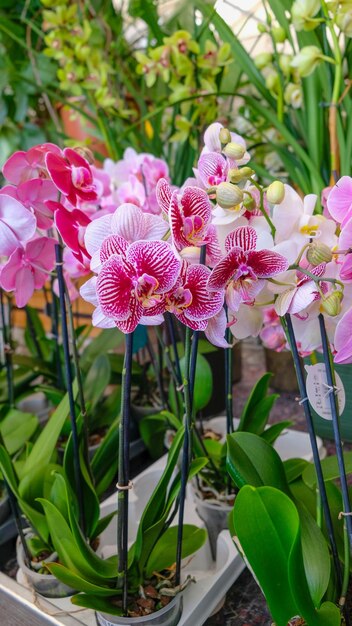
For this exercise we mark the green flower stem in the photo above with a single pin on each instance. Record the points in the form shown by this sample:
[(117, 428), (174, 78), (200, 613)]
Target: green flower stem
[(82, 402), (346, 568), (186, 451), (257, 186), (6, 333), (124, 470)]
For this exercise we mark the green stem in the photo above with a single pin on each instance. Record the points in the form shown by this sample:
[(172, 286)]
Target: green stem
[(346, 567), (257, 186)]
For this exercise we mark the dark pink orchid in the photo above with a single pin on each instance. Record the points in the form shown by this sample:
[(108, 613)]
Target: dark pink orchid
[(71, 226), (134, 278), (190, 300), (242, 269), (22, 166), (33, 195), (71, 174), (17, 224), (27, 268)]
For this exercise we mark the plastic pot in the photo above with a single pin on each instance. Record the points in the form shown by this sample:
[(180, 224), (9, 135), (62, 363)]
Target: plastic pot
[(167, 616), (45, 584), (214, 516)]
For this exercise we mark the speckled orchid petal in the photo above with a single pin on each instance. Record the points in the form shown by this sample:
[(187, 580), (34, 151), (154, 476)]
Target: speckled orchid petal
[(204, 304), (244, 237), (224, 271), (189, 216), (114, 289), (266, 263), (163, 195), (114, 244), (212, 169), (157, 259)]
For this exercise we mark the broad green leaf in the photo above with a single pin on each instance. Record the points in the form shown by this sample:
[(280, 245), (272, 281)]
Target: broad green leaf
[(256, 411), (44, 447), (294, 468), (107, 340), (153, 428), (96, 603), (17, 428), (268, 528), (253, 461), (104, 463), (97, 379), (77, 582), (163, 554), (273, 432), (330, 469), (38, 483), (203, 387)]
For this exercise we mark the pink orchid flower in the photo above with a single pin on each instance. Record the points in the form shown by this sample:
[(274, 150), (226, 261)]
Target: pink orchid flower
[(216, 329), (71, 226), (212, 169), (33, 194), (22, 166), (339, 202), (272, 333), (190, 300), (153, 170), (343, 339), (300, 296), (128, 221), (27, 268), (134, 279), (131, 191), (243, 268), (17, 224), (72, 176)]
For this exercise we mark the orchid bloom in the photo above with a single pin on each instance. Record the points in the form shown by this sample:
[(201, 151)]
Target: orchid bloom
[(27, 268), (33, 194), (134, 279), (212, 141), (339, 202), (128, 221), (72, 176), (190, 300), (71, 226), (242, 270), (343, 339), (212, 169), (23, 166), (17, 224), (300, 296)]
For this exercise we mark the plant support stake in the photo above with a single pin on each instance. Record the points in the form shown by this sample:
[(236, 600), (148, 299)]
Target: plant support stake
[(124, 484), (314, 446), (336, 427), (65, 343)]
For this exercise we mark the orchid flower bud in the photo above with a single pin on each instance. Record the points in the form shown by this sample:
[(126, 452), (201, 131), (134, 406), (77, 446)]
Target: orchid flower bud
[(307, 60), (236, 175), (228, 195), (303, 12), (249, 202), (263, 60), (224, 136), (279, 34), (275, 193), (318, 252), (293, 95), (234, 151), (332, 303), (262, 28)]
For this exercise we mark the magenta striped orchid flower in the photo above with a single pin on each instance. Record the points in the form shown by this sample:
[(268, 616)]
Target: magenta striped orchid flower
[(242, 270), (133, 280), (190, 300)]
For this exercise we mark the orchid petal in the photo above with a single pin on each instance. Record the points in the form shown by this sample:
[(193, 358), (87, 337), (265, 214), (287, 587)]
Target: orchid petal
[(24, 286), (339, 201), (114, 244), (204, 303), (248, 322), (114, 289), (216, 329), (266, 263), (244, 237), (163, 194), (96, 232), (88, 291), (224, 270), (156, 259)]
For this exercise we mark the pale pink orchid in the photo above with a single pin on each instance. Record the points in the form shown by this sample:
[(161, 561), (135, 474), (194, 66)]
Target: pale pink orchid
[(247, 321), (72, 176), (128, 221), (243, 268), (212, 141), (132, 191), (216, 329), (71, 226), (343, 339), (17, 224), (134, 279), (300, 296), (272, 334), (190, 300), (27, 268), (22, 166), (33, 194), (339, 202)]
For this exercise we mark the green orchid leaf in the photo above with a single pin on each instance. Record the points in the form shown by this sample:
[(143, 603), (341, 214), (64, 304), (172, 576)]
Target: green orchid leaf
[(203, 387), (44, 446), (104, 463), (253, 461), (153, 428), (96, 603), (330, 468), (294, 468), (273, 432), (267, 525), (257, 409), (17, 428), (163, 554), (77, 582), (107, 340), (97, 380)]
